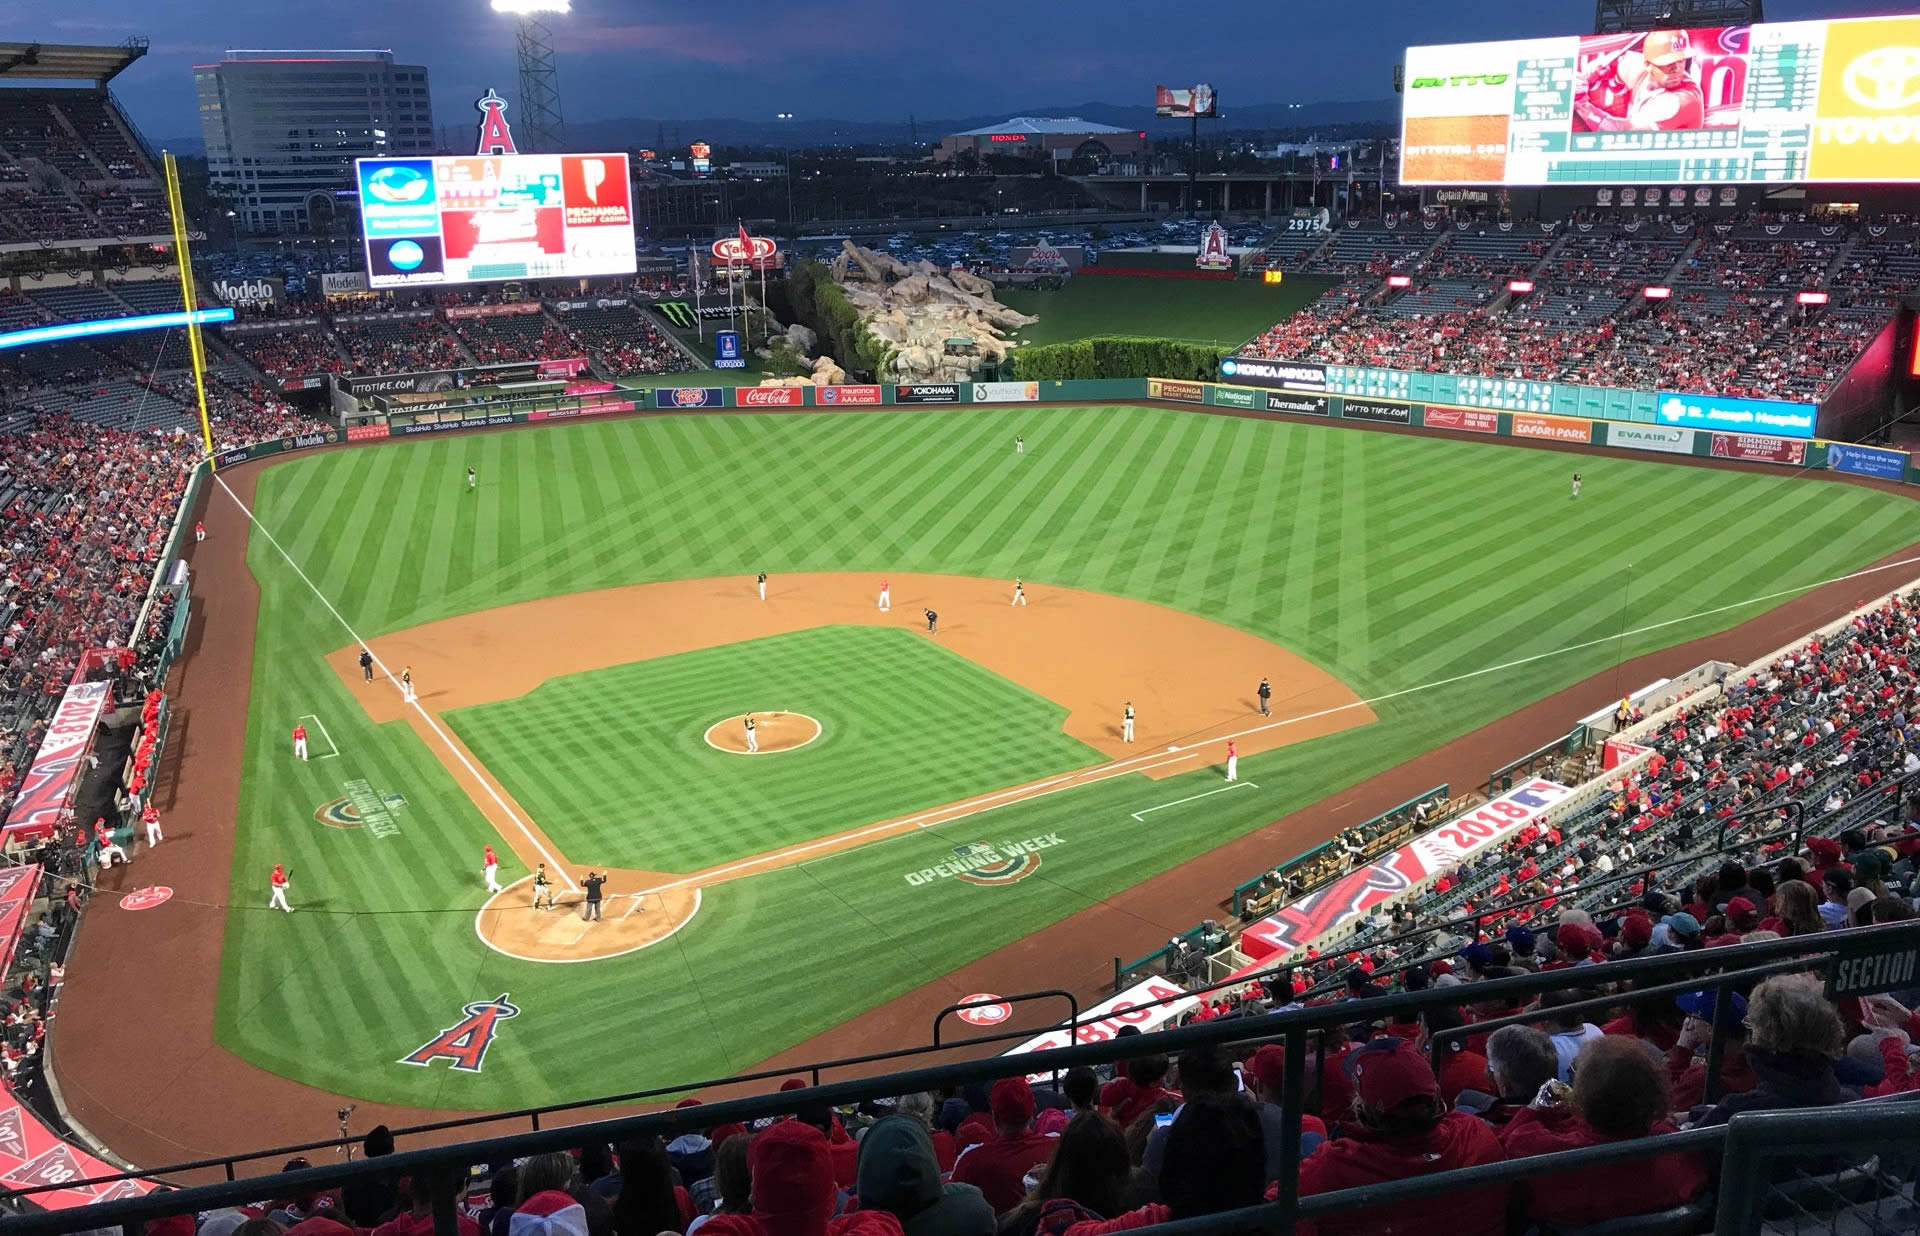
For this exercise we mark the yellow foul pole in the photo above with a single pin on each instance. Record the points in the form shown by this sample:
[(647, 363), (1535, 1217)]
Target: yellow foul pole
[(195, 349)]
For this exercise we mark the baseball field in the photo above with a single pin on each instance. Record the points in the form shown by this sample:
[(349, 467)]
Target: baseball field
[(586, 637)]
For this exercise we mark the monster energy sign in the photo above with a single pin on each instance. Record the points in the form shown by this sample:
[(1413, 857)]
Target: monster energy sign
[(677, 312)]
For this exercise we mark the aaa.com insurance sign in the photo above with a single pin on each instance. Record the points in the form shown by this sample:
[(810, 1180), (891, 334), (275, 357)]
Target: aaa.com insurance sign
[(1133, 1007)]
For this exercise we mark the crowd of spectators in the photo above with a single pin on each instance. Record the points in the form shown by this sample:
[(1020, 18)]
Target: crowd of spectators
[(620, 342), (296, 352), (512, 337), (398, 345), (1731, 325)]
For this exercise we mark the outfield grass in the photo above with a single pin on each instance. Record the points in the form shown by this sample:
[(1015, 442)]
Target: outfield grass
[(905, 726), (1397, 562), (1217, 311)]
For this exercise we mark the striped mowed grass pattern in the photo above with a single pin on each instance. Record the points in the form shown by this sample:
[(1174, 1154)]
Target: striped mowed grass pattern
[(1395, 561), (614, 764), (1224, 312)]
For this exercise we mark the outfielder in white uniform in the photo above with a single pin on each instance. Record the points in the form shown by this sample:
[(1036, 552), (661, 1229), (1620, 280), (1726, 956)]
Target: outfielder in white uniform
[(1019, 445), (1126, 724), (1576, 484), (753, 743), (886, 597), (1019, 593)]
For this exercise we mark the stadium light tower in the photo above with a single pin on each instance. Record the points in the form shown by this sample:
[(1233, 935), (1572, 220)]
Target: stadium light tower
[(541, 127)]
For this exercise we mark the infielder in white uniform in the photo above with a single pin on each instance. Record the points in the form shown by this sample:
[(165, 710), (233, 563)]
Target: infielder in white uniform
[(886, 596), (1233, 762), (406, 685), (490, 865), (763, 585), (753, 743), (1019, 593), (1126, 724)]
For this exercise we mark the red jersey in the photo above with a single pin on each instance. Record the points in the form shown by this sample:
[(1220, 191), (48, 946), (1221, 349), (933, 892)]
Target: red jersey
[(299, 733), (279, 878)]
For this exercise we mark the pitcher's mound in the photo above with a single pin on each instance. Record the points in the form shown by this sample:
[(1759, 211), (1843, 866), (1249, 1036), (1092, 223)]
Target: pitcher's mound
[(773, 731)]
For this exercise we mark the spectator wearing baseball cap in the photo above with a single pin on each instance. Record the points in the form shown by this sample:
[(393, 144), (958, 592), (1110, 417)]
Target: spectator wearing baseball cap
[(1402, 1130), (1265, 1074), (1619, 1094), (998, 1166), (1686, 1076), (1215, 1161), (793, 1191)]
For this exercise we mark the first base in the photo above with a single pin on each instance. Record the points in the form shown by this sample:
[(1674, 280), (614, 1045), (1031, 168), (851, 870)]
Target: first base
[(1171, 747)]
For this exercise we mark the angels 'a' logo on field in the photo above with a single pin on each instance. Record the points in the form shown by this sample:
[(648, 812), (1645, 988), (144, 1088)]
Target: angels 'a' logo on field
[(465, 1042)]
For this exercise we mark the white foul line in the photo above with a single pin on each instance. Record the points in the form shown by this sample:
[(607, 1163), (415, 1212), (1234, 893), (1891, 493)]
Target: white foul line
[(1194, 798), (424, 714), (333, 748)]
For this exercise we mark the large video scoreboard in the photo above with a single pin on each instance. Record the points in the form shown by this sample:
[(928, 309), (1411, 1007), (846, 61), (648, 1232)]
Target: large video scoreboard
[(1807, 101), (478, 218)]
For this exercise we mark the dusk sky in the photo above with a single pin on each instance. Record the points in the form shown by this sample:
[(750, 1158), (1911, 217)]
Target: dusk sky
[(848, 59)]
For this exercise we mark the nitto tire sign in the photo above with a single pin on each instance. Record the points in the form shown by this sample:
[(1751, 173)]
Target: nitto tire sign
[(1377, 412), (1298, 405)]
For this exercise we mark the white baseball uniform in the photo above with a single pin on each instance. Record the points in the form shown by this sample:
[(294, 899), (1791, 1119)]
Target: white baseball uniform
[(1019, 595), (753, 743), (1126, 725), (153, 827), (886, 596), (300, 747), (279, 901), (492, 871), (1233, 768)]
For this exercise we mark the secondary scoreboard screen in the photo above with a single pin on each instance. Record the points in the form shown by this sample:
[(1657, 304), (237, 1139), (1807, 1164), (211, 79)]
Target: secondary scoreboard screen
[(480, 218), (1805, 101)]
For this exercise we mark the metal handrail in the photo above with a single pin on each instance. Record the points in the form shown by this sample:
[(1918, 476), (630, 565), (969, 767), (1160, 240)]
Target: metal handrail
[(1293, 1026)]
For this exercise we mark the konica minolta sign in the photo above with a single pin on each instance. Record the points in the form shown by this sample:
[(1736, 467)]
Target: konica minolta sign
[(1286, 375)]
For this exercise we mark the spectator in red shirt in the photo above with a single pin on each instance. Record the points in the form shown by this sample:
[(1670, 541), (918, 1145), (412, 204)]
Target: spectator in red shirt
[(793, 1193), (999, 1167), (1085, 1180), (1618, 1095), (1125, 1098), (548, 1208), (1403, 1130)]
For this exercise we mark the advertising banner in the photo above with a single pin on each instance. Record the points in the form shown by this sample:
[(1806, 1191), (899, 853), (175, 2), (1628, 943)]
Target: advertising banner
[(768, 396), (1166, 388), (350, 283), (58, 765), (563, 367), (1005, 392), (1764, 416), (1133, 1007), (1318, 915), (1377, 411), (312, 382), (689, 397), (397, 383), (463, 422), (928, 392), (590, 388), (1287, 375), (363, 433), (276, 446), (1462, 419), (1298, 405), (1866, 461), (1651, 438), (272, 325), (1552, 428), (1758, 449), (518, 309), (1185, 102), (1234, 397), (726, 350), (848, 396), (258, 290)]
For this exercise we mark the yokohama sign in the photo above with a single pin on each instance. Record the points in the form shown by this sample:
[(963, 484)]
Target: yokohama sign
[(1758, 449), (768, 396)]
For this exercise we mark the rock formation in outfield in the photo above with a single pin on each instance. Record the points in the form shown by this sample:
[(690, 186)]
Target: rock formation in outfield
[(915, 308)]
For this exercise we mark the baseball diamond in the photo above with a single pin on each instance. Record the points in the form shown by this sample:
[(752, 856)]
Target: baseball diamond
[(575, 627)]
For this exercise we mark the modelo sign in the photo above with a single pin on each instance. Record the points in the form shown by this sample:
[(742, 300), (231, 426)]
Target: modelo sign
[(262, 291)]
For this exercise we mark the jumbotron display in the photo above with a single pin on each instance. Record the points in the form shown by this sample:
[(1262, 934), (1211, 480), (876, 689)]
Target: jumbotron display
[(478, 218), (1809, 101)]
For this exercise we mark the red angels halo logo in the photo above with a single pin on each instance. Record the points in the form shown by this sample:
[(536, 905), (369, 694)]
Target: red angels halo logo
[(146, 898), (465, 1042), (984, 1014), (495, 137)]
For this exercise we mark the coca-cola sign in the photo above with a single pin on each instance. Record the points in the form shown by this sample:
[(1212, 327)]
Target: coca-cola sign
[(768, 396)]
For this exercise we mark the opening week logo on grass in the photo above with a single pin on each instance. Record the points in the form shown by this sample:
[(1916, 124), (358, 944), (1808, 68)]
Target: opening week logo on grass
[(989, 863)]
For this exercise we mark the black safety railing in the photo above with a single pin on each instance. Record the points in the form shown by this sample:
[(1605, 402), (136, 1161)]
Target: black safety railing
[(439, 1170), (1763, 1172), (1500, 780)]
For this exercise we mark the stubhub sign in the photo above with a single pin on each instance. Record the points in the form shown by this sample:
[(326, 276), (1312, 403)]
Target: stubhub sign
[(1724, 412)]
